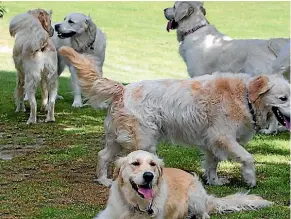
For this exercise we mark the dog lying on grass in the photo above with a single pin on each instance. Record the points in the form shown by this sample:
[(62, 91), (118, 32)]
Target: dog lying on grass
[(143, 189), (218, 113), (35, 59)]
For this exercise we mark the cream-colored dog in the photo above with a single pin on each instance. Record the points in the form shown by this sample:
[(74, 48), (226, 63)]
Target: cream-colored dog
[(144, 189), (206, 50), (35, 59), (81, 33), (218, 113)]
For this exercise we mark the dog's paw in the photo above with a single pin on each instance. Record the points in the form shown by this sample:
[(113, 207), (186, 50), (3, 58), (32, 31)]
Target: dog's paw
[(77, 104), (59, 97), (104, 181), (48, 119), (218, 181), (267, 131), (251, 182), (20, 109), (31, 121)]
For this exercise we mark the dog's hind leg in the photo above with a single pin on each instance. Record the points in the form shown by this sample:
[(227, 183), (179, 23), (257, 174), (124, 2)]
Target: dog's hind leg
[(53, 88), (105, 156), (210, 166), (19, 92), (44, 95), (30, 89)]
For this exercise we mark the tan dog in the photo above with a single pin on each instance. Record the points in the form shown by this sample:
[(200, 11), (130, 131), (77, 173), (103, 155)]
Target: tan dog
[(35, 59), (143, 189)]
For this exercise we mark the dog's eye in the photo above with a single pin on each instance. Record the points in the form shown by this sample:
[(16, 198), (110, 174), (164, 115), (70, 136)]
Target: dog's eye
[(283, 98), (136, 163), (152, 164), (70, 22)]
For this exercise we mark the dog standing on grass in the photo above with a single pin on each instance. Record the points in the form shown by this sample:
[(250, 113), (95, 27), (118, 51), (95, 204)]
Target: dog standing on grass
[(81, 33), (144, 189), (35, 59), (218, 113)]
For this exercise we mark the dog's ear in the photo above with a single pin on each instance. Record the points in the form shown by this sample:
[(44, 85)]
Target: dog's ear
[(203, 9), (118, 167), (258, 86), (183, 10), (50, 12), (160, 165), (88, 18)]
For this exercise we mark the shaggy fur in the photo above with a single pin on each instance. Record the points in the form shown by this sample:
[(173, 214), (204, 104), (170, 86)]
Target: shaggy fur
[(35, 59), (207, 50), (81, 33), (209, 111), (171, 194)]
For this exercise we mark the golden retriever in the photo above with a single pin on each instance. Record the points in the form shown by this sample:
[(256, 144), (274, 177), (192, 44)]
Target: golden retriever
[(144, 189), (218, 113), (35, 59)]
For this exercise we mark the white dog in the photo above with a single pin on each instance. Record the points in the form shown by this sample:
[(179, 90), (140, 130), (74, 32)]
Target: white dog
[(206, 50), (218, 113), (81, 33), (35, 59), (144, 189)]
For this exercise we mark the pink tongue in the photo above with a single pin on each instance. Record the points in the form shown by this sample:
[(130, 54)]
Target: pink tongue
[(169, 25), (287, 124), (147, 193)]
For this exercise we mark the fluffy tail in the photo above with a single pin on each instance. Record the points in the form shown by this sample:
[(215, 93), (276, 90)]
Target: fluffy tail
[(96, 88), (236, 202)]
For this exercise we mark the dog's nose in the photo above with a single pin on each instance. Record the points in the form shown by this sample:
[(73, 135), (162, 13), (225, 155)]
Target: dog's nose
[(165, 9), (148, 177), (57, 26)]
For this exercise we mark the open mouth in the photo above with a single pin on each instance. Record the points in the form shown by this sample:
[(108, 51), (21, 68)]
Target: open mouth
[(282, 119), (145, 191), (172, 24), (66, 35)]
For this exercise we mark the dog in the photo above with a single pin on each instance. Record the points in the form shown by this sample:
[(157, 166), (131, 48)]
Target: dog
[(35, 59), (219, 113), (143, 188), (206, 50), (81, 33)]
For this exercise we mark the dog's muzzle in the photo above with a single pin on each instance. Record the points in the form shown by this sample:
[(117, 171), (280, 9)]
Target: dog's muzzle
[(145, 190), (63, 35), (282, 119), (172, 24)]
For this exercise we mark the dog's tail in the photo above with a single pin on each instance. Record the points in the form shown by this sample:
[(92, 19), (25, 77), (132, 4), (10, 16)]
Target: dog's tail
[(236, 202), (96, 88)]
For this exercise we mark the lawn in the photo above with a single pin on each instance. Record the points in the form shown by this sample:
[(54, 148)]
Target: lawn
[(52, 172)]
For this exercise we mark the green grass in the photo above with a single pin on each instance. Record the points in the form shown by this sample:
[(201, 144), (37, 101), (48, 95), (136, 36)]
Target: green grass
[(54, 177)]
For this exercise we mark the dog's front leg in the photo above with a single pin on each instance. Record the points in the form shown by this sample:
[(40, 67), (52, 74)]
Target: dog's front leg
[(76, 88)]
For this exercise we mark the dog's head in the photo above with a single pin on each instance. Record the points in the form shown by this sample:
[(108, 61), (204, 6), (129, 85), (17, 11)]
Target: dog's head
[(74, 23), (272, 92), (44, 18), (140, 172), (181, 11)]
